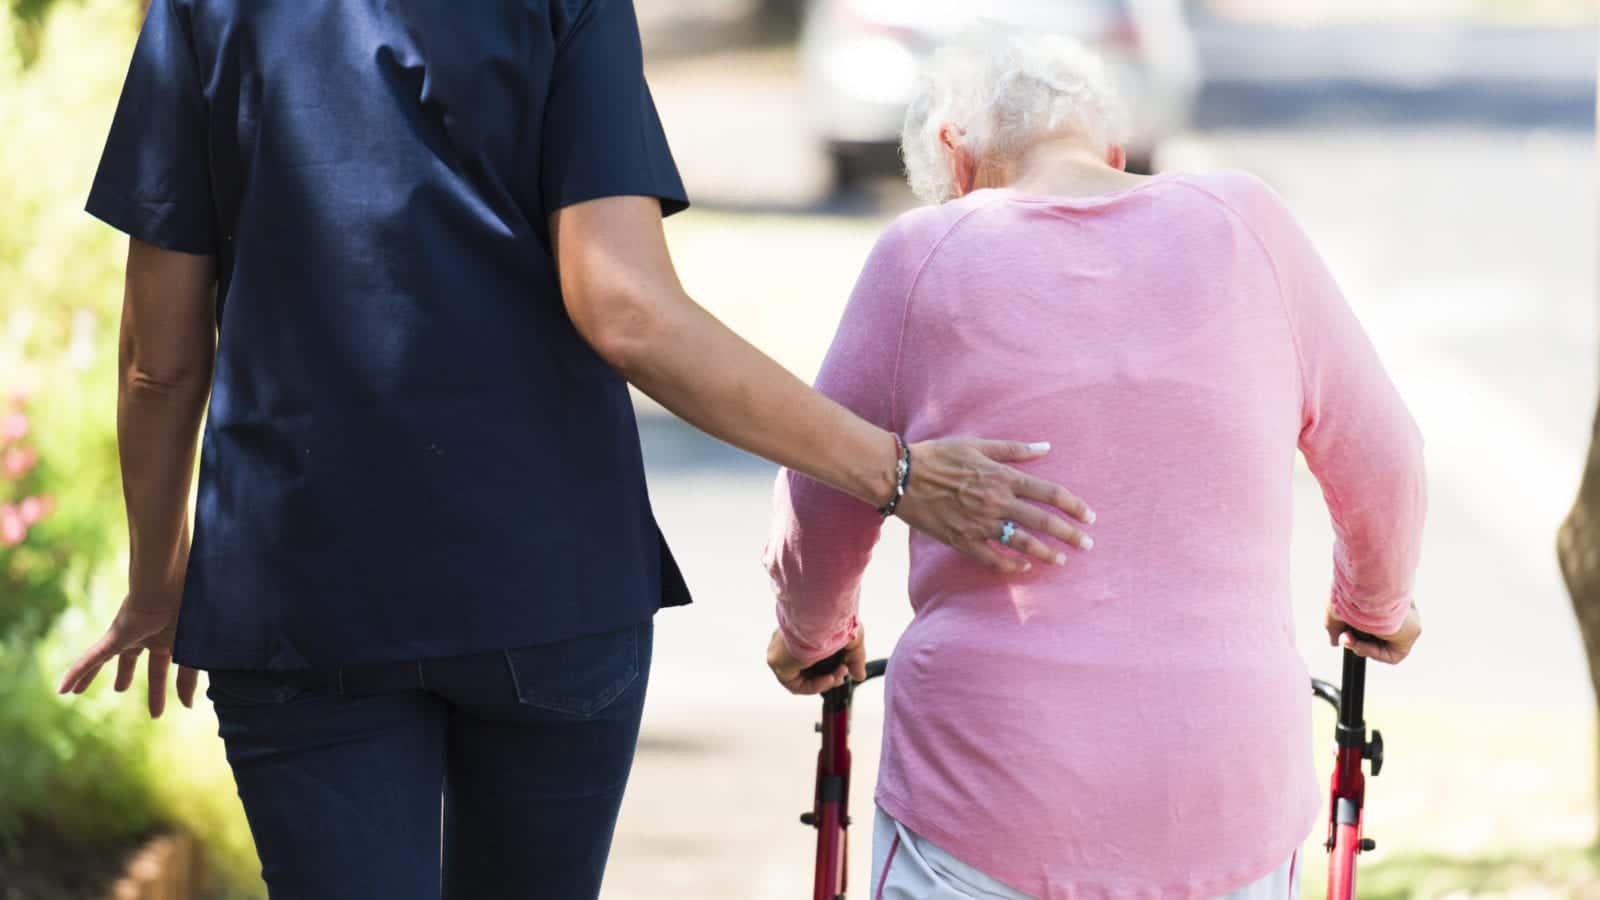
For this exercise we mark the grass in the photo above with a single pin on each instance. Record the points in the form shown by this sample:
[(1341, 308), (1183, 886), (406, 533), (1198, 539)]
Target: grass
[(1474, 801), (1567, 873)]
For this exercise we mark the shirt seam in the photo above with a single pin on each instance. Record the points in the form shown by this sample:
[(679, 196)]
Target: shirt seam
[(582, 19), (1330, 493), (1277, 280), (905, 307)]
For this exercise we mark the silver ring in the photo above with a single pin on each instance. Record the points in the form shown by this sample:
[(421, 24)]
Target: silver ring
[(1007, 529)]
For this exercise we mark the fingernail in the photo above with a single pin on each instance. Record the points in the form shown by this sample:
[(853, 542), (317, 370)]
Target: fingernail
[(1040, 446), (1089, 517), (1061, 559), (1086, 542), (1027, 567)]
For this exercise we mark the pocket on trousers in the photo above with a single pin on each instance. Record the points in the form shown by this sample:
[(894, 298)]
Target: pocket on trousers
[(580, 677), (235, 688)]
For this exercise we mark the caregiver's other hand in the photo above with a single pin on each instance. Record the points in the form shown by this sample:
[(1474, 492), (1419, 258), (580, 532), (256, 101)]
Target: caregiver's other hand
[(961, 493), (791, 672), (1386, 648), (136, 629)]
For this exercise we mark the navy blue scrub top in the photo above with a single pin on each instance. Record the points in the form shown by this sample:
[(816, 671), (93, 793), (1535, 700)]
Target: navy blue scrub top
[(410, 452)]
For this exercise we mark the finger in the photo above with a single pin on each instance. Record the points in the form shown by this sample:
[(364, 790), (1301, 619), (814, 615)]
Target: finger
[(83, 671), (88, 678), (856, 660), (995, 561), (1055, 495), (828, 682), (1376, 651), (1040, 522), (1335, 629), (1028, 545), (1013, 451), (805, 686), (188, 682), (156, 672), (127, 667)]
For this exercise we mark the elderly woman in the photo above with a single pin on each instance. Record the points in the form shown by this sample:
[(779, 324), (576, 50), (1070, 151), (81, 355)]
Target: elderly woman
[(1132, 721)]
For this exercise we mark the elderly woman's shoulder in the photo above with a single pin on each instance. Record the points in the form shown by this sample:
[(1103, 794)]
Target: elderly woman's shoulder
[(1245, 192), (929, 223)]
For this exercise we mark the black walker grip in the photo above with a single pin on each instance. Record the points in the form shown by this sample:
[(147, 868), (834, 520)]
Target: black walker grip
[(825, 667)]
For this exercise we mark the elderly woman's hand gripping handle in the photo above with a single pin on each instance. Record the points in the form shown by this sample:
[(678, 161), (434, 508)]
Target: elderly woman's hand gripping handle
[(623, 295)]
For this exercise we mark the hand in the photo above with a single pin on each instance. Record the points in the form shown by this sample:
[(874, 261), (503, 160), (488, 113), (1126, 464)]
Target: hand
[(1389, 648), (960, 494), (133, 632), (791, 671)]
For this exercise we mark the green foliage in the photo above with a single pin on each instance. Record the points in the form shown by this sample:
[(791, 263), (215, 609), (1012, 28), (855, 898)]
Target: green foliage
[(93, 768), (28, 17), (1557, 872), (58, 301)]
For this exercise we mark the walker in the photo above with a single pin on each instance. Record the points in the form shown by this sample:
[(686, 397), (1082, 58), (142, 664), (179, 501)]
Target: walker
[(830, 810)]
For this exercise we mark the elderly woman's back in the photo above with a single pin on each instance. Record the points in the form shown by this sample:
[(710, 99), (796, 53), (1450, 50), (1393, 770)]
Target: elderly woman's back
[(1136, 721)]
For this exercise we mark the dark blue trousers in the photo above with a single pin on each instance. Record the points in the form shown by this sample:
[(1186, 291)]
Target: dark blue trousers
[(342, 774)]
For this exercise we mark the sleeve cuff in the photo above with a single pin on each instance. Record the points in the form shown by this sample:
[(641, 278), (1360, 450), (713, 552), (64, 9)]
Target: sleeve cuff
[(153, 223), (672, 200), (809, 651), (1382, 620)]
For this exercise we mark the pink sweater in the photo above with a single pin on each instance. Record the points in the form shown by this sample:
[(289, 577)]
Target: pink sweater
[(1136, 723)]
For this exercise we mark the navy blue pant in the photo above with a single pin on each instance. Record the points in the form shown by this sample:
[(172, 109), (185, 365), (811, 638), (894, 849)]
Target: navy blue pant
[(342, 774)]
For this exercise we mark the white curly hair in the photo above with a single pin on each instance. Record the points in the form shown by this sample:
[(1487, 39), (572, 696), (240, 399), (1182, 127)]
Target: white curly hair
[(1004, 90)]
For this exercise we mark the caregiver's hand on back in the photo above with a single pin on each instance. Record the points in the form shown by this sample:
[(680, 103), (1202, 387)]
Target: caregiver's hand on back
[(623, 295), (959, 489)]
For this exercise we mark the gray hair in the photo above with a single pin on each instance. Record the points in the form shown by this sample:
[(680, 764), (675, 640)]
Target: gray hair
[(1004, 90)]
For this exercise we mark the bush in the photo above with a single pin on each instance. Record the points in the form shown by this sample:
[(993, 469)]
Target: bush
[(93, 769)]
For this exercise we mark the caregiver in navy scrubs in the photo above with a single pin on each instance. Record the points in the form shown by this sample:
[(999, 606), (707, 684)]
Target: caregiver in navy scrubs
[(403, 259)]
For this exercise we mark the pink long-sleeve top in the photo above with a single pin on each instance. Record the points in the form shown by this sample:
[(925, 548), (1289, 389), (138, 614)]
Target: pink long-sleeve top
[(1136, 723)]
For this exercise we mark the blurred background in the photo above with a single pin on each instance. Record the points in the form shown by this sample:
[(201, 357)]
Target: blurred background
[(1440, 152)]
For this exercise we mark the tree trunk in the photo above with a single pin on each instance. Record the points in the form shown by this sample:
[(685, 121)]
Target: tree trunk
[(1578, 548)]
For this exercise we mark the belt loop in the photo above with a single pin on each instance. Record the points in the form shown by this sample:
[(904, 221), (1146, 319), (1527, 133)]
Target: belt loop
[(421, 681), (339, 680)]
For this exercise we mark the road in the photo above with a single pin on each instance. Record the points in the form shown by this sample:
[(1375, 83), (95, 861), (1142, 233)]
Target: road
[(1458, 210)]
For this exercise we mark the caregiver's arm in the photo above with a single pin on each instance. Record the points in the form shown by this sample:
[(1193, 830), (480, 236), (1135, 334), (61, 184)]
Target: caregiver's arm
[(165, 357), (1361, 443), (623, 295)]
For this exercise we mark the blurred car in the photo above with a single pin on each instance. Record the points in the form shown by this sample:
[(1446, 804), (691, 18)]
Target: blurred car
[(861, 59)]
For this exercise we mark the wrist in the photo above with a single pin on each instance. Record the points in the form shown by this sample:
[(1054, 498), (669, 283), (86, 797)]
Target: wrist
[(902, 477), (874, 468), (157, 586)]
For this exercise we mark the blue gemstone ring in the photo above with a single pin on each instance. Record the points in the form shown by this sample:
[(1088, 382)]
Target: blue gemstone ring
[(1007, 529)]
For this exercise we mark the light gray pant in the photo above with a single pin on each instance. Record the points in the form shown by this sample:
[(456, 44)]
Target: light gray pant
[(906, 866)]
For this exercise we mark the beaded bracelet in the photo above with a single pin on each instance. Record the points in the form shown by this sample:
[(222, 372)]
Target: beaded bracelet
[(902, 477)]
